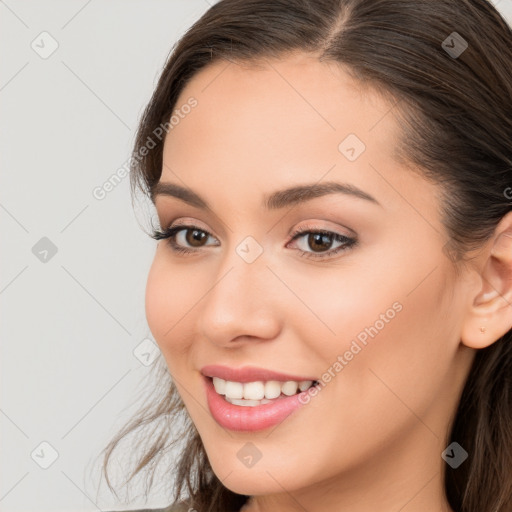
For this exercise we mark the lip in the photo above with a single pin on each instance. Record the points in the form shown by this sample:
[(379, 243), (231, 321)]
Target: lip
[(249, 419), (249, 374)]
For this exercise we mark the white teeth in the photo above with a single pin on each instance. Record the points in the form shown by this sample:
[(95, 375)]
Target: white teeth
[(254, 390), (289, 388), (220, 385), (257, 392), (305, 384), (272, 389), (234, 389), (247, 403)]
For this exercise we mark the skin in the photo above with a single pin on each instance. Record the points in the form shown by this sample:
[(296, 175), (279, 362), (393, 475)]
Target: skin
[(372, 438)]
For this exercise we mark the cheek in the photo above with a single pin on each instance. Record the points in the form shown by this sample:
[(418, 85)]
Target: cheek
[(170, 295), (156, 301), (410, 359), (394, 321), (333, 310)]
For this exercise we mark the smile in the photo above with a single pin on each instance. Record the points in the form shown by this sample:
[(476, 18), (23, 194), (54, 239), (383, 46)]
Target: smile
[(252, 394), (252, 399)]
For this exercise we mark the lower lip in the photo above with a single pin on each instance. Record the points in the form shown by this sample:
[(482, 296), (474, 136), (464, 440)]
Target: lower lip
[(249, 419)]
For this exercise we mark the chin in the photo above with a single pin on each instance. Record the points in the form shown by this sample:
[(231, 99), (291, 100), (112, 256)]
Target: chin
[(252, 484), (265, 477)]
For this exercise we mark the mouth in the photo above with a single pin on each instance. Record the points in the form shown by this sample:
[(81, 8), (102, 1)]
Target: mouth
[(255, 393), (242, 400)]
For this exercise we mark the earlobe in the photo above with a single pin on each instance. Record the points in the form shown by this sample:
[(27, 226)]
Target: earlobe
[(489, 316)]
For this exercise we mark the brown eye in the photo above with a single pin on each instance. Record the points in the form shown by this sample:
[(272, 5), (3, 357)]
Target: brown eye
[(319, 242), (184, 239), (195, 237)]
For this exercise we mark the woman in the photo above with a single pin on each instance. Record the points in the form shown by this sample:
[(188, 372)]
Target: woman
[(332, 289)]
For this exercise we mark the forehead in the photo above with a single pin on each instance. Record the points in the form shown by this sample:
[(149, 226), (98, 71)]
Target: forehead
[(294, 98), (283, 121)]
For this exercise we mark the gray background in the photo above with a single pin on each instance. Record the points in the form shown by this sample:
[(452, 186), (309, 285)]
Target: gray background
[(75, 343)]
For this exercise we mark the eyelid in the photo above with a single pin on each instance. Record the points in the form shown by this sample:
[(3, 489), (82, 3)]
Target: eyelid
[(314, 226), (308, 226), (347, 241), (188, 221)]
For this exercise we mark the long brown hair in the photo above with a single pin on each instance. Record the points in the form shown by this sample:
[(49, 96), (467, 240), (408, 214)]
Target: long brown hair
[(457, 129)]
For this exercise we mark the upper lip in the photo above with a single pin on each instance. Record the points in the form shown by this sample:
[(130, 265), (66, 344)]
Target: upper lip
[(248, 374)]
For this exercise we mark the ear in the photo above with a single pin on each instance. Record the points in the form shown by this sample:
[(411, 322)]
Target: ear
[(490, 309)]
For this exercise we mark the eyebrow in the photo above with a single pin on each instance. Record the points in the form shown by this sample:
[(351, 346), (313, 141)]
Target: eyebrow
[(275, 201)]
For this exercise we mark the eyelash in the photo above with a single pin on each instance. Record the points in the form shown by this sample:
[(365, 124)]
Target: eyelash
[(171, 232)]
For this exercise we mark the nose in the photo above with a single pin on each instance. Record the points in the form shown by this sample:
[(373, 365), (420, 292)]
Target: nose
[(241, 305)]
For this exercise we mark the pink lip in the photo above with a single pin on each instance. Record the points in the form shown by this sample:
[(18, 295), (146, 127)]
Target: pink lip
[(248, 374), (244, 418)]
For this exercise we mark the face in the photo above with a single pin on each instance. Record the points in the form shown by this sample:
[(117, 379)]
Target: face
[(344, 283)]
